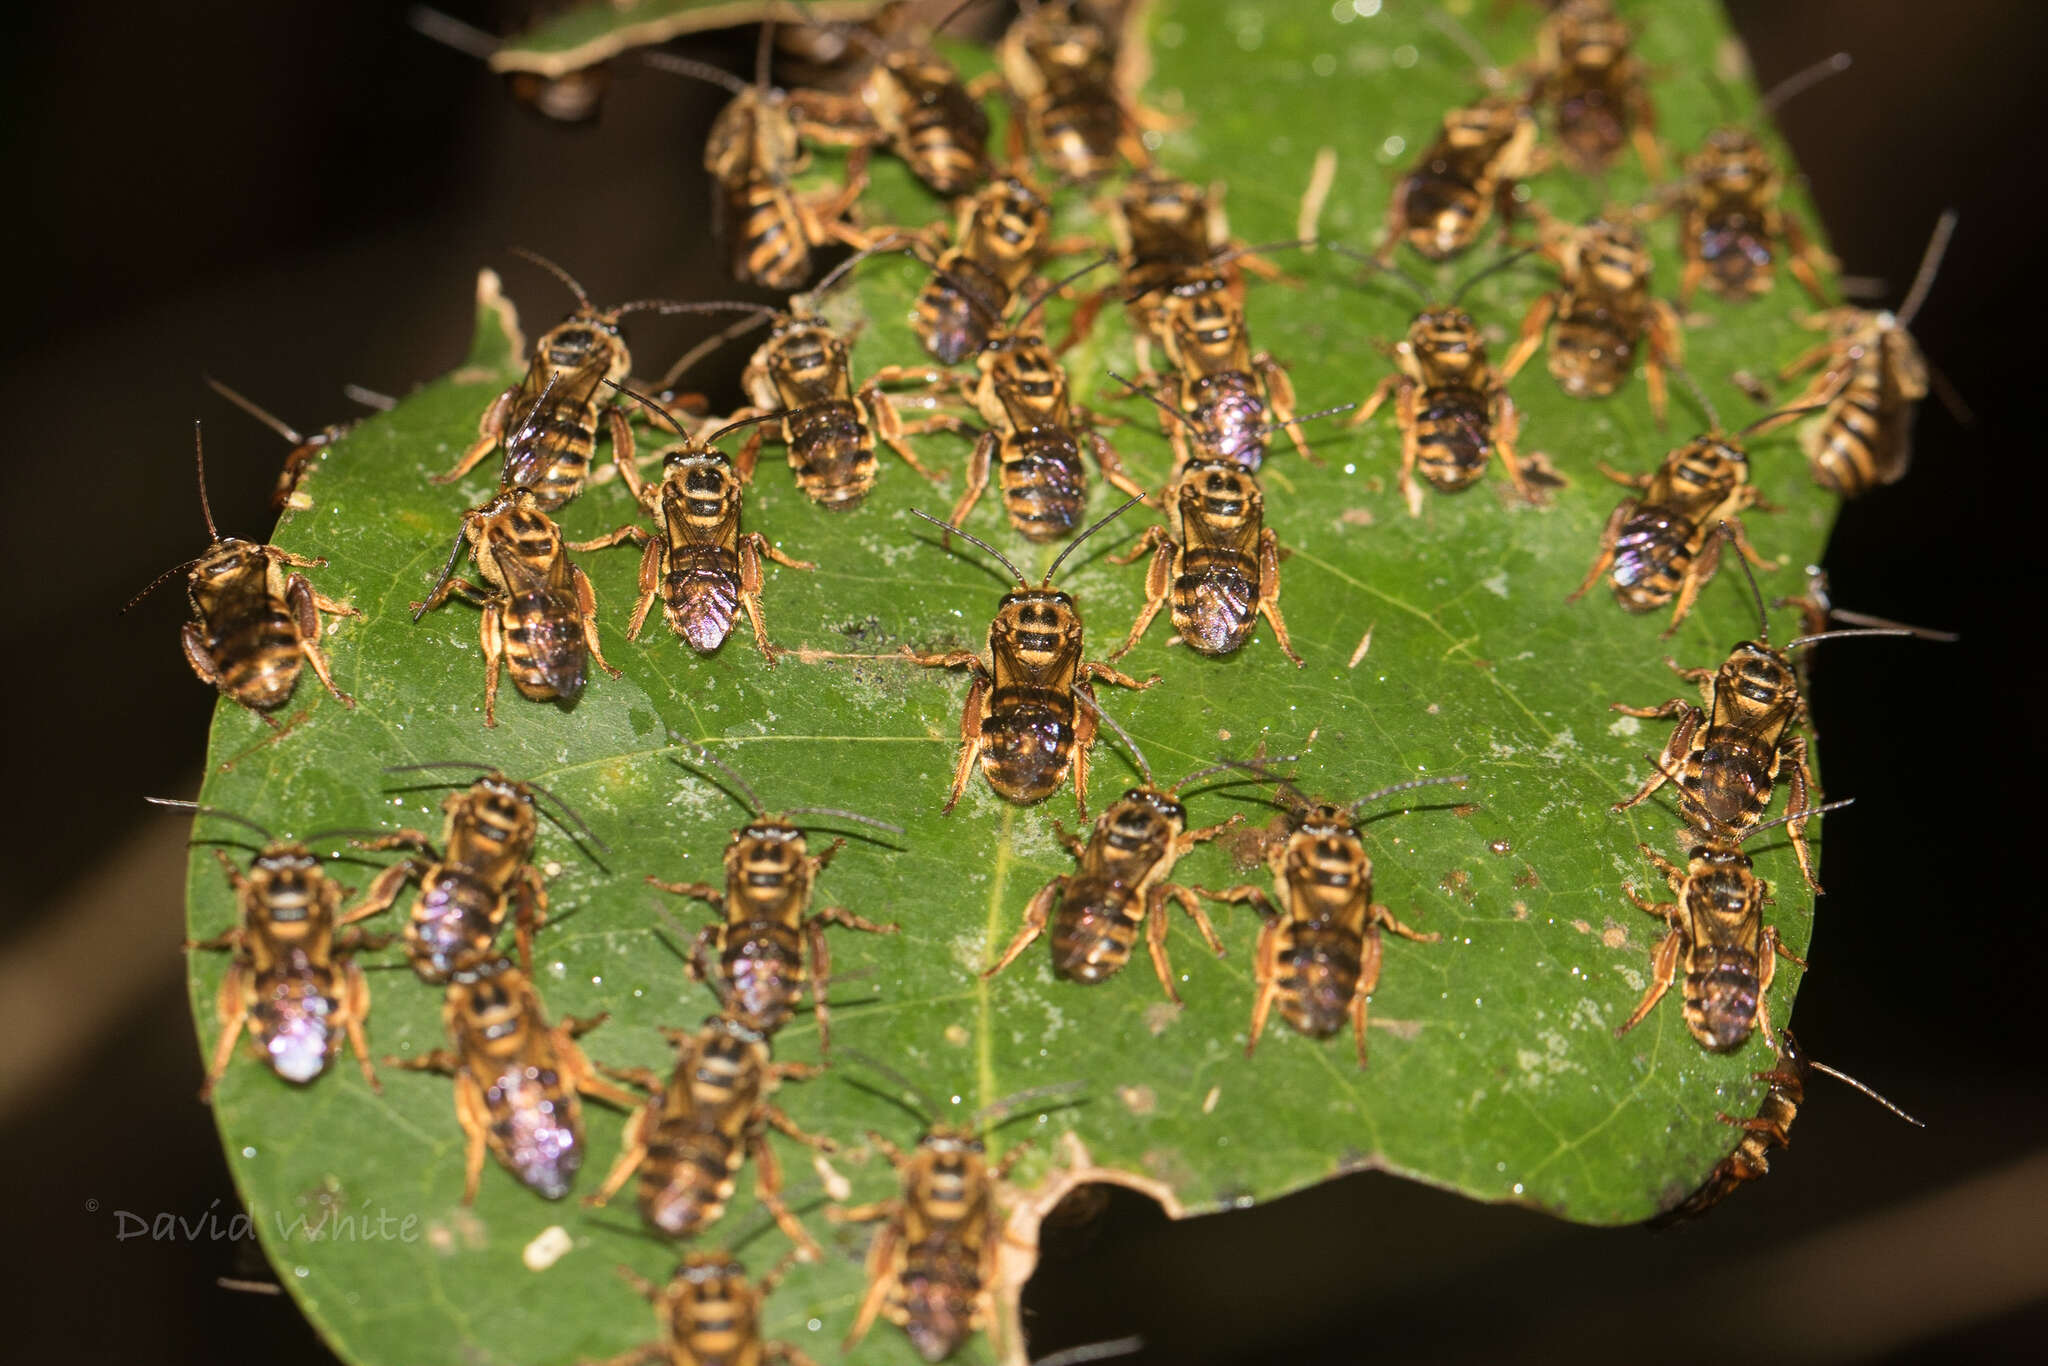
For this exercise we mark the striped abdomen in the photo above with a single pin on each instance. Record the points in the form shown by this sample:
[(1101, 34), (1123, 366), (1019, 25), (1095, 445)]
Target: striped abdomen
[(536, 1127), (936, 1293), (1077, 128), (767, 244), (1215, 598), (687, 1178), (955, 310), (1863, 440), (832, 452), (545, 651), (1094, 932), (1441, 209), (1728, 780), (454, 925), (943, 135), (1454, 438), (1228, 408), (763, 968), (255, 645), (1028, 741), (1044, 482), (549, 451), (1652, 555), (1318, 976), (1722, 990), (1593, 347), (292, 1011), (700, 594), (1737, 254)]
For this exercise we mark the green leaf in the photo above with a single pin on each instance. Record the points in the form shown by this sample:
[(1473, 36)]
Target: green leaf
[(1494, 1069), (599, 30)]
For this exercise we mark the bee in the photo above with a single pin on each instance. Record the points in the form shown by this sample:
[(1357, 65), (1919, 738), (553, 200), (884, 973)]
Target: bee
[(1003, 234), (1063, 66), (701, 565), (305, 448), (470, 886), (1022, 720), (766, 931), (1319, 953), (1661, 543), (517, 1081), (1453, 411), (539, 610), (293, 985), (1215, 559), (1717, 933), (911, 101), (1874, 375), (1603, 313), (1770, 1127), (931, 1269), (708, 1315), (1032, 440), (1467, 172), (754, 152), (1594, 87), (1725, 759), (688, 1139), (1122, 884), (547, 422), (1731, 223), (1220, 383), (252, 625)]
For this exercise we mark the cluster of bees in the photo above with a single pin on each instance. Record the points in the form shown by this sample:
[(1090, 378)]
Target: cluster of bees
[(1031, 715)]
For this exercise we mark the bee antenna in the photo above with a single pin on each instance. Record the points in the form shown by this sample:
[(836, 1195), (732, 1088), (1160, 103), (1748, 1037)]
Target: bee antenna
[(1784, 415), (888, 246), (1930, 262), (551, 268), (711, 343), (369, 398), (1415, 286), (159, 581), (1271, 427), (1455, 780), (702, 71), (1795, 816), (1075, 544), (1256, 769), (955, 13), (651, 405), (1089, 702), (764, 54), (204, 810), (1763, 620), (562, 808), (1845, 1078), (1502, 264), (1021, 580), (205, 504), (1818, 636), (1803, 80), (997, 1113), (843, 815), (1489, 70), (729, 428), (930, 1113), (1700, 397), (270, 420), (1224, 258), (468, 765), (1164, 406), (447, 571), (1058, 285), (1865, 619), (705, 756), (449, 31), (1094, 1351)]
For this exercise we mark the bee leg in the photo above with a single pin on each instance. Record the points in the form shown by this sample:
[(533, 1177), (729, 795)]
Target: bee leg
[(1740, 536), (638, 535), (971, 741), (786, 1354), (474, 1116), (1674, 752), (889, 426), (978, 462), (749, 456), (880, 1255), (1192, 904), (1689, 278), (1533, 324), (490, 431), (1803, 258), (494, 650), (1087, 722), (532, 914), (591, 1085), (357, 989), (1816, 355), (1272, 376), (1663, 967), (1266, 973), (767, 1189), (1082, 323), (1390, 231), (1158, 584), (1368, 978), (646, 1078), (202, 662), (231, 1007), (622, 452), (1269, 593), (586, 600), (1097, 669), (449, 588), (1644, 138), (1382, 916), (383, 891), (750, 546), (651, 561), (697, 891), (1673, 874), (1797, 805), (1405, 413), (1035, 916), (1667, 347), (1113, 470), (1774, 945), (1507, 428), (1697, 574), (1155, 942), (438, 1060), (1702, 678), (301, 601)]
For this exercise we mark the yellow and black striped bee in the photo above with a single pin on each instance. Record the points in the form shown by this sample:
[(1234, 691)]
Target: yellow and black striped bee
[(708, 1315), (539, 610), (699, 563), (1601, 314), (1462, 178), (1594, 87), (469, 886), (754, 151), (1122, 884), (252, 625), (1872, 376), (1319, 953), (1063, 66), (1003, 234), (910, 100), (767, 928), (547, 423), (293, 985), (517, 1081), (687, 1141), (1026, 721)]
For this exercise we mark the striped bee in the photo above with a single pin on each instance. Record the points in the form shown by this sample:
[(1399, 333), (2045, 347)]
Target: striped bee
[(708, 1315), (1594, 87), (1601, 314), (1469, 170), (1063, 66)]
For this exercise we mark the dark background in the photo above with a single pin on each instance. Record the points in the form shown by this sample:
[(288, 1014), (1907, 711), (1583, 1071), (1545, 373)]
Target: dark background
[(294, 197)]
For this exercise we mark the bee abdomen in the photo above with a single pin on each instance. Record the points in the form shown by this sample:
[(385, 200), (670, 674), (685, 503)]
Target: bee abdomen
[(1044, 484), (1029, 743), (544, 647)]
